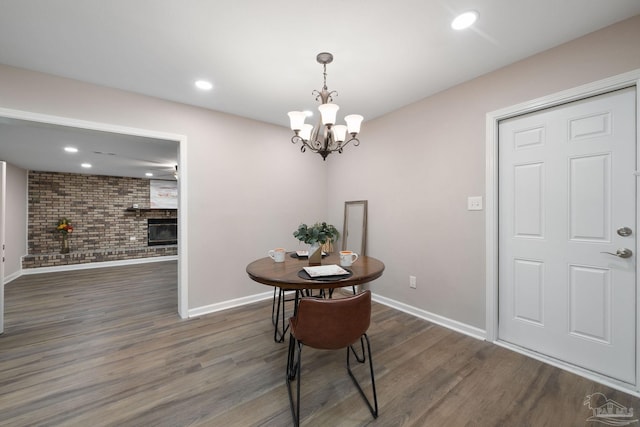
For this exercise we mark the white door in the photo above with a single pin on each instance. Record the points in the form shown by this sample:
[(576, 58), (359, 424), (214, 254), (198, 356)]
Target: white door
[(3, 199), (567, 190)]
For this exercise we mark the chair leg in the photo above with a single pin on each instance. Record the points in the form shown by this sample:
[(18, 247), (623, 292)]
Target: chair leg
[(362, 358), (353, 289), (374, 408), (279, 334), (274, 318), (293, 371)]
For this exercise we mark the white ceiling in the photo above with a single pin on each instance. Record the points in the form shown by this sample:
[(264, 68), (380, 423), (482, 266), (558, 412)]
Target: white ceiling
[(40, 147), (260, 56)]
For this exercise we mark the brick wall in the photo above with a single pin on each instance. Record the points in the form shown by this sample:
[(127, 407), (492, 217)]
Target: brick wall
[(96, 206)]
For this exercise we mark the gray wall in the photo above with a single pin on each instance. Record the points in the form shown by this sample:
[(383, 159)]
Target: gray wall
[(249, 187), (418, 165)]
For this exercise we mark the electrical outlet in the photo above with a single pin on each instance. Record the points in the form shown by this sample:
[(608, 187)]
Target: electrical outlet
[(474, 203), (412, 282)]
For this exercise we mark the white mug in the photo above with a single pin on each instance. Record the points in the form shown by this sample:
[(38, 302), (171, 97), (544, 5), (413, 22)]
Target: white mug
[(347, 258), (277, 254)]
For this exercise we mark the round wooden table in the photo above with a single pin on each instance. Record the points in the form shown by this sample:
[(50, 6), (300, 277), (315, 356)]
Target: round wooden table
[(285, 274)]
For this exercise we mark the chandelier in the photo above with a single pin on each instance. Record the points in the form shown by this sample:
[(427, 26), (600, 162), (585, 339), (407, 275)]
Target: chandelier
[(326, 137)]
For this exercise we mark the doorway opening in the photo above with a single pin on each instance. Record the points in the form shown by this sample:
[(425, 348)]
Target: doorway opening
[(181, 146)]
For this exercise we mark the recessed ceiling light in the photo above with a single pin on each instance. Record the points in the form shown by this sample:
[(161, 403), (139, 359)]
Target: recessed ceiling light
[(204, 85), (71, 149), (464, 20), (86, 165), (148, 174)]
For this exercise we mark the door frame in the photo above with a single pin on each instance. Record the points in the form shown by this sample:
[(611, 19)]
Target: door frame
[(3, 203), (493, 118), (183, 282)]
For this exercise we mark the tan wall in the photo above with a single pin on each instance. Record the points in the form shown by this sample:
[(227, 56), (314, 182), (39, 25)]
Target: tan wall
[(418, 165), (248, 187)]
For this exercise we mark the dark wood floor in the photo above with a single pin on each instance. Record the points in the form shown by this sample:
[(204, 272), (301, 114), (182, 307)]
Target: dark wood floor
[(106, 347)]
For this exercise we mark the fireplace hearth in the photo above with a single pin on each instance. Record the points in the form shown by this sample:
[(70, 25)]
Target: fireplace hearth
[(162, 231)]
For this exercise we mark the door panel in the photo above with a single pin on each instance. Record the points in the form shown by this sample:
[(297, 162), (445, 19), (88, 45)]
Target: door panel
[(567, 184), (528, 205), (529, 291), (590, 317), (590, 198)]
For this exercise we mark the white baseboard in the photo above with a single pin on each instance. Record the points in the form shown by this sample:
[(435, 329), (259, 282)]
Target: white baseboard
[(12, 276), (463, 328), (90, 265), (434, 318), (224, 305)]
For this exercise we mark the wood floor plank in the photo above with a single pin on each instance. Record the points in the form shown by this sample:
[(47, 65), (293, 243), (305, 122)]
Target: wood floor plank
[(105, 347)]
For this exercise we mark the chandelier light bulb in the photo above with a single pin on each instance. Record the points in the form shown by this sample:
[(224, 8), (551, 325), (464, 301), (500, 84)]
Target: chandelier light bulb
[(339, 133), (297, 119), (353, 123), (305, 132), (328, 113)]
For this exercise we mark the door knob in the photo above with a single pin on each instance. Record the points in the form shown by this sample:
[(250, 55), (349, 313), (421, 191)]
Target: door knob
[(622, 253), (624, 231)]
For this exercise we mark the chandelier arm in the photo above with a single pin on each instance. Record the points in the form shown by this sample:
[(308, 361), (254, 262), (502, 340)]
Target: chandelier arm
[(296, 138), (324, 96), (353, 139), (324, 147)]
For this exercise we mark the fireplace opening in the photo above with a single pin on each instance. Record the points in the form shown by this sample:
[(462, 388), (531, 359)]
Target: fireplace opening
[(162, 231)]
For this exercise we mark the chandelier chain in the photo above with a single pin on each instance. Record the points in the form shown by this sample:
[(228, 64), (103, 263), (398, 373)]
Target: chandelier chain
[(324, 66)]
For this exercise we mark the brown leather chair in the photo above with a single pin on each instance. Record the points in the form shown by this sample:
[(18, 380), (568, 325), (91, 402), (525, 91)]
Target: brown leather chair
[(330, 324), (278, 308)]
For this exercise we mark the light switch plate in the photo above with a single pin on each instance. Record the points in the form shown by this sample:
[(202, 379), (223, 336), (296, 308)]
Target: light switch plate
[(474, 203)]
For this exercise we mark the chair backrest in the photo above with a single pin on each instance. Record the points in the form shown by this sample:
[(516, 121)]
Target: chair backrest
[(332, 323)]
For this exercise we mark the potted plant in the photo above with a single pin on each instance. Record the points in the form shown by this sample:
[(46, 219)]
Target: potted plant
[(315, 236)]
